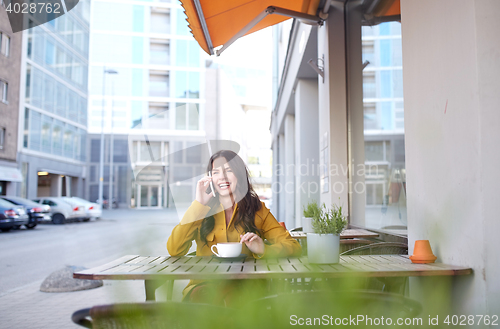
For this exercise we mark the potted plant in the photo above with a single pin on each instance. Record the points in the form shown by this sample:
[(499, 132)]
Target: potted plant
[(312, 209), (324, 244)]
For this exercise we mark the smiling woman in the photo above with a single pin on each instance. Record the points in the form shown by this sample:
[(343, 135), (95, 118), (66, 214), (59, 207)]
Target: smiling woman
[(234, 214)]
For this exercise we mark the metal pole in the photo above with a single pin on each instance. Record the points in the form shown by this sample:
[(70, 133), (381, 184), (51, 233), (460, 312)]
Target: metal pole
[(101, 156), (111, 147)]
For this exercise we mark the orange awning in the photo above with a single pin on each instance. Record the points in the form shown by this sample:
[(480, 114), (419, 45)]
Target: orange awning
[(214, 23), (224, 19)]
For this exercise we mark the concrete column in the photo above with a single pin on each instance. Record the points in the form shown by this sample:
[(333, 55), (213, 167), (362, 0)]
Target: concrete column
[(275, 177), (68, 186), (451, 97), (32, 183), (289, 187), (77, 187), (332, 96), (282, 179), (55, 185), (357, 186), (306, 146)]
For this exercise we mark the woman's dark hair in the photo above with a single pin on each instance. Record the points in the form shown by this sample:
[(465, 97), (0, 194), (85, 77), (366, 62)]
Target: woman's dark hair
[(248, 203)]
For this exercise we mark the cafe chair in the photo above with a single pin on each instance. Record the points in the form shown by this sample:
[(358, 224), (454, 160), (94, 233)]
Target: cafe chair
[(287, 309), (395, 227), (153, 315), (399, 285), (380, 248), (349, 244)]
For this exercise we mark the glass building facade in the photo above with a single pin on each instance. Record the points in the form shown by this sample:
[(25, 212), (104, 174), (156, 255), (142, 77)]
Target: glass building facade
[(154, 103), (384, 126), (54, 104)]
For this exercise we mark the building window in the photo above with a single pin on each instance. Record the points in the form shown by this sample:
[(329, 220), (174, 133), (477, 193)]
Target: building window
[(158, 85), (187, 53), (193, 154), (68, 142), (26, 127), (57, 137), (160, 21), (187, 116), (187, 84), (4, 88), (384, 175), (159, 53), (120, 153), (5, 44), (46, 134), (182, 27), (158, 116), (150, 151), (2, 138)]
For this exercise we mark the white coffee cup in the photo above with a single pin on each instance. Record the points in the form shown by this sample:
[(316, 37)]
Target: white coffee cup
[(227, 249)]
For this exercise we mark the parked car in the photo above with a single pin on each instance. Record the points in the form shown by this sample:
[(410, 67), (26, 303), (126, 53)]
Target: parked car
[(78, 208), (37, 213), (60, 210), (92, 210), (11, 215), (114, 204)]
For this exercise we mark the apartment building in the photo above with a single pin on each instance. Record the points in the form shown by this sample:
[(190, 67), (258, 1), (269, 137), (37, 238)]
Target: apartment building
[(53, 105), (146, 94), (10, 68)]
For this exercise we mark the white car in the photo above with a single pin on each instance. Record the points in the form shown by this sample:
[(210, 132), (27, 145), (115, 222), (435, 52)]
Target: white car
[(59, 209), (78, 208), (92, 210)]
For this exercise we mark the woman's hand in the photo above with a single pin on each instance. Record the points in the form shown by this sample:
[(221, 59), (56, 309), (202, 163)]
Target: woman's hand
[(201, 187), (253, 242)]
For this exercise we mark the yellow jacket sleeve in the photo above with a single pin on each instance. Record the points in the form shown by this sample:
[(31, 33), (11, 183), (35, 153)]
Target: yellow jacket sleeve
[(184, 233), (281, 242)]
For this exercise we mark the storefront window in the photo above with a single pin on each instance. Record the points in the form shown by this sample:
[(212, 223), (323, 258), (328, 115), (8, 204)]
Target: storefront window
[(385, 175)]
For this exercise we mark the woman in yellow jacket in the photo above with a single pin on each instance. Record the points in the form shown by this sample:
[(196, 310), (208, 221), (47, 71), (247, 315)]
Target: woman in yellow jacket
[(234, 214)]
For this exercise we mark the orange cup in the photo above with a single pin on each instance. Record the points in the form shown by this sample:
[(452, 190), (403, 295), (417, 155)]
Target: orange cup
[(422, 253), (282, 224)]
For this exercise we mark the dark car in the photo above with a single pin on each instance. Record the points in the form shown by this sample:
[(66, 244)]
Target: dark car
[(11, 215), (37, 213)]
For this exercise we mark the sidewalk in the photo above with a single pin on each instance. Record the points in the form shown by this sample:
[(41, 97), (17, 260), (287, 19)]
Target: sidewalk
[(28, 307)]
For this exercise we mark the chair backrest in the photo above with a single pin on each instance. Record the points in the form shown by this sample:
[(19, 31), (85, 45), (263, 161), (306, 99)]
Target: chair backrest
[(153, 316), (282, 310), (348, 244), (381, 248), (395, 227)]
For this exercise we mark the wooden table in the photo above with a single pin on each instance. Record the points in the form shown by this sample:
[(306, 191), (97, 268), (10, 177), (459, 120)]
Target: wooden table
[(151, 268), (347, 234)]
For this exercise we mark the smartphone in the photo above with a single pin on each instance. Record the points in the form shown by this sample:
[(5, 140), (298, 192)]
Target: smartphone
[(210, 188)]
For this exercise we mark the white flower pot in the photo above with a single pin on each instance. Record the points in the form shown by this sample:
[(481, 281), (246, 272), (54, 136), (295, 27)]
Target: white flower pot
[(307, 225), (323, 248)]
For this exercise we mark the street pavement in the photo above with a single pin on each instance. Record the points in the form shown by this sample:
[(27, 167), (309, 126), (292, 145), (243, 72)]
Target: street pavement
[(27, 257)]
